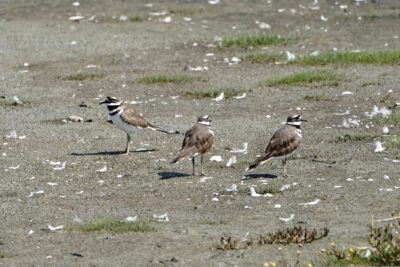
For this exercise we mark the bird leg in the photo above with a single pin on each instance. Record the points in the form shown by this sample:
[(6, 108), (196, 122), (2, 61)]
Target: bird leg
[(285, 175), (201, 163), (193, 173), (128, 140)]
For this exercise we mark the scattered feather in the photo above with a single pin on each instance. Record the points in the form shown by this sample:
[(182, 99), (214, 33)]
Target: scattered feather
[(284, 187), (291, 217), (386, 177), (131, 218), (216, 158), (40, 192), (204, 179), (220, 97), (31, 232), (347, 112), (240, 96), (52, 184), (323, 18), (315, 202), (104, 169), (378, 147), (232, 188), (55, 228), (240, 150), (60, 167), (162, 217), (253, 192), (213, 2), (347, 93), (385, 130), (14, 167), (76, 18), (290, 56), (214, 199), (277, 206), (231, 161)]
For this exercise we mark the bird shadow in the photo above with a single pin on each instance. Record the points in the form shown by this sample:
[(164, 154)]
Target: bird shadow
[(171, 175), (111, 153), (259, 175)]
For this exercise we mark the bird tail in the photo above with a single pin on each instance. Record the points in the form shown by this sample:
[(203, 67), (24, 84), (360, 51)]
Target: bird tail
[(155, 128), (259, 161), (182, 155)]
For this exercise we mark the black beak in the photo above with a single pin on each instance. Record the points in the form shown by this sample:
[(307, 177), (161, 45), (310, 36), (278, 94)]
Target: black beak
[(303, 120), (104, 102)]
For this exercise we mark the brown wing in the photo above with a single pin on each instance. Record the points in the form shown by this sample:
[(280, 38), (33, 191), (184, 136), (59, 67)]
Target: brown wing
[(133, 118), (283, 142), (197, 140)]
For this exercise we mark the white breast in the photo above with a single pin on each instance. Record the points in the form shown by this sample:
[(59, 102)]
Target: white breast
[(117, 121), (299, 133)]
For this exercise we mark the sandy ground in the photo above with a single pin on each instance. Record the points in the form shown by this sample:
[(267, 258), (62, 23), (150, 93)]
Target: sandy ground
[(144, 184)]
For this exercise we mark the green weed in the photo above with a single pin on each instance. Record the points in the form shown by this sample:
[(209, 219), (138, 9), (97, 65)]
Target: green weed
[(264, 58), (213, 92), (171, 78), (355, 138), (318, 78), (84, 76), (247, 41), (347, 58), (116, 226), (319, 98)]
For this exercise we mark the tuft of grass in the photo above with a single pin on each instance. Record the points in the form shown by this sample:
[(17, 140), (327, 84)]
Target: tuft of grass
[(3, 255), (393, 118), (84, 76), (355, 138), (116, 226), (346, 58), (318, 78), (136, 19), (213, 92), (247, 41), (264, 58), (268, 190), (384, 248), (171, 78), (393, 147), (319, 98), (296, 234)]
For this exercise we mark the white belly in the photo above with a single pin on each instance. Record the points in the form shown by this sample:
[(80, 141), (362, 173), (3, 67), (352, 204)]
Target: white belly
[(116, 119)]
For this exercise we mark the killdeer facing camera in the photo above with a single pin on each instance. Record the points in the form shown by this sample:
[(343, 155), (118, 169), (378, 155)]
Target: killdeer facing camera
[(198, 140), (284, 141), (127, 119)]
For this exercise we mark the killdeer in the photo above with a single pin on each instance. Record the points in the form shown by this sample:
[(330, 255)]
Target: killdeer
[(198, 140), (127, 119), (284, 141)]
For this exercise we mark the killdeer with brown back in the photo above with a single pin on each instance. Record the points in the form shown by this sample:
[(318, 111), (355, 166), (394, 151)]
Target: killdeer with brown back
[(198, 140), (284, 141), (127, 119)]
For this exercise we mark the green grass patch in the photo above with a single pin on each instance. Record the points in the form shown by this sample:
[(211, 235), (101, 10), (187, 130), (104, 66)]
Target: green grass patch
[(171, 78), (383, 250), (84, 76), (116, 226), (136, 19), (264, 58), (317, 78), (346, 58), (393, 118), (247, 41), (393, 147), (355, 138), (213, 92), (319, 98), (3, 255)]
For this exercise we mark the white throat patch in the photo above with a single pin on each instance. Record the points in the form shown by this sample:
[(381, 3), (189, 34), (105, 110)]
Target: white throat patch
[(114, 104), (204, 123), (294, 123)]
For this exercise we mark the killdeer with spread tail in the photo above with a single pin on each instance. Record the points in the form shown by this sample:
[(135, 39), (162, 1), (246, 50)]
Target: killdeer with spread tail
[(198, 140), (127, 119), (284, 141)]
